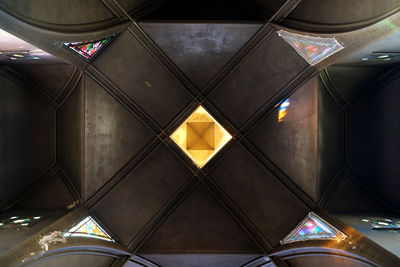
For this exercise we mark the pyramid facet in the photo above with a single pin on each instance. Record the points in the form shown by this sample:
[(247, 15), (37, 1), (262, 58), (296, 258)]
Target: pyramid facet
[(200, 136), (90, 48), (313, 227), (312, 49), (88, 228)]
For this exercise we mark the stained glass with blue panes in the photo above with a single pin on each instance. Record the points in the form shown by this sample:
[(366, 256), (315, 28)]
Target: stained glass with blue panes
[(88, 228), (313, 228)]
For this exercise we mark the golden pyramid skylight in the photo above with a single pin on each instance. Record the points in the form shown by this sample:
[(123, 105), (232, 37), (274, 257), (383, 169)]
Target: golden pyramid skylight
[(200, 136)]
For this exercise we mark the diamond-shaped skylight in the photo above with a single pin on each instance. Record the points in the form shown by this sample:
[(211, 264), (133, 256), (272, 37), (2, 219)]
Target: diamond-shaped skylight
[(312, 49), (200, 136)]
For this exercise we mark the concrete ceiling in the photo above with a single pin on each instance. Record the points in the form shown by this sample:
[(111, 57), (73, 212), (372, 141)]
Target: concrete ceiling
[(93, 137)]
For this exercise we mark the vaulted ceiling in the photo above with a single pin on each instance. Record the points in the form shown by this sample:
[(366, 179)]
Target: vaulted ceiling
[(83, 137)]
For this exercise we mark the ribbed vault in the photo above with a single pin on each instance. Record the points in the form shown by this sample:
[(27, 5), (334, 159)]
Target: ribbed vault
[(102, 131)]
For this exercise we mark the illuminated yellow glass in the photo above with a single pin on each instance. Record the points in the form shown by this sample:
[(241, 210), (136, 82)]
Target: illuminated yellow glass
[(200, 136)]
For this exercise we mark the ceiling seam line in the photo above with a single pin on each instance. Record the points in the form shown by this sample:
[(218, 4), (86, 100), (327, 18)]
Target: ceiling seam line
[(117, 13), (121, 261), (67, 187), (82, 189), (66, 179), (387, 201), (242, 137), (286, 181), (327, 195), (335, 88), (177, 73), (326, 88), (332, 92), (251, 46), (147, 9), (285, 92), (12, 199), (118, 95), (13, 76), (238, 215), (382, 81), (156, 52), (68, 90), (184, 160), (278, 261), (71, 76), (122, 173), (163, 60), (247, 49), (284, 11), (142, 260), (242, 55), (163, 213)]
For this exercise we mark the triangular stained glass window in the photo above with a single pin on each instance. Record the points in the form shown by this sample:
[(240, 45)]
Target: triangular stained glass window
[(89, 228), (312, 49), (313, 227), (88, 49)]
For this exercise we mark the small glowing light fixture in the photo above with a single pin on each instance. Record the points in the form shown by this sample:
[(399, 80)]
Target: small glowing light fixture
[(383, 56), (364, 59), (88, 228), (22, 220), (312, 49), (19, 55), (200, 137), (383, 224), (313, 227), (18, 222)]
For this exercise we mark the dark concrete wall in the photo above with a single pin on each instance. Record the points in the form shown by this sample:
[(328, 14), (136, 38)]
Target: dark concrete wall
[(358, 139), (11, 239), (27, 137), (70, 136), (372, 138), (292, 143), (330, 139)]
